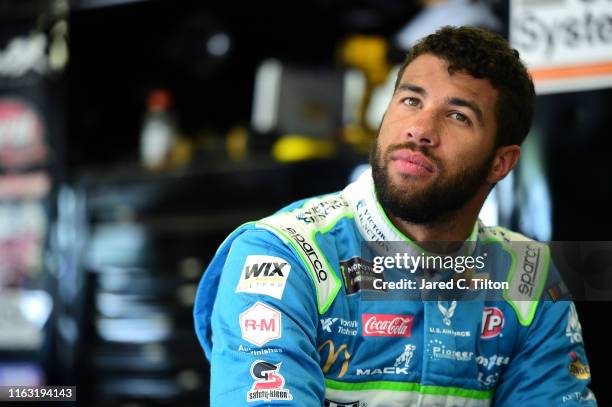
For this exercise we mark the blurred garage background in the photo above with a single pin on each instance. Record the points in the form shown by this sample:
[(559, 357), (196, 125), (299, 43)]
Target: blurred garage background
[(135, 135)]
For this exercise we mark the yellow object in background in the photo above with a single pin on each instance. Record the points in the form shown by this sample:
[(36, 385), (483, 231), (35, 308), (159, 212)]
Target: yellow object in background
[(293, 148), (237, 143), (367, 53)]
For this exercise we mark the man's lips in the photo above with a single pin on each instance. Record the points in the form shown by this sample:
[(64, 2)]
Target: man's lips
[(412, 160)]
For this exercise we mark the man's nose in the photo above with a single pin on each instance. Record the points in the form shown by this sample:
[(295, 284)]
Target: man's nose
[(423, 129)]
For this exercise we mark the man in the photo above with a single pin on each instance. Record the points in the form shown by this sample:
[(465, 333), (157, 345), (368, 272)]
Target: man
[(293, 309)]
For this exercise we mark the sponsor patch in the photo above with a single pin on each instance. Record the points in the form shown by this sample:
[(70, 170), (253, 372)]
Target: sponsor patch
[(558, 291), (333, 355), (438, 350), (447, 312), (386, 325), (260, 324), (573, 329), (402, 362), (264, 275), (258, 352), (488, 381), (331, 403), (358, 274), (320, 211), (489, 362), (492, 322), (339, 325), (578, 396), (578, 369), (530, 272), (269, 383), (311, 254)]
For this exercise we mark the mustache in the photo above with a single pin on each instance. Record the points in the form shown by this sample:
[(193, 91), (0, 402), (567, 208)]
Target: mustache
[(414, 148)]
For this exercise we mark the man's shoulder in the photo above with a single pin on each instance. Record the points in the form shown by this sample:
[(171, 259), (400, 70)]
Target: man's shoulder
[(314, 213), (502, 235), (528, 268), (296, 226)]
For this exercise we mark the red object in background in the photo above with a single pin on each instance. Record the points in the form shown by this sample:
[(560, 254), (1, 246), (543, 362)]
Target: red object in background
[(21, 135), (159, 100), (32, 185)]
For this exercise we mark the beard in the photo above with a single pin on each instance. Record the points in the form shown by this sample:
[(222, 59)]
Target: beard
[(435, 202)]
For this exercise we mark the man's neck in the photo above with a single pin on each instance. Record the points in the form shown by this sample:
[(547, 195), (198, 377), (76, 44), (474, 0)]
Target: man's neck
[(455, 227)]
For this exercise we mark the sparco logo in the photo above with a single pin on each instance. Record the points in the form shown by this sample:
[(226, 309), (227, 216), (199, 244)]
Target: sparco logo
[(386, 324), (529, 270), (310, 253), (492, 322)]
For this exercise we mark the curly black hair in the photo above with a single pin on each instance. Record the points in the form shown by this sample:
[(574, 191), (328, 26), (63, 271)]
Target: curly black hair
[(485, 55)]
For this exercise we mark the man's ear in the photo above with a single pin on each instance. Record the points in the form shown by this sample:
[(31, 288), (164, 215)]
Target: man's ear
[(506, 157)]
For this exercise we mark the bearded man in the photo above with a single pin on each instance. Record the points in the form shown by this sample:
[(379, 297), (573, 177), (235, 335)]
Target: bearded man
[(306, 307)]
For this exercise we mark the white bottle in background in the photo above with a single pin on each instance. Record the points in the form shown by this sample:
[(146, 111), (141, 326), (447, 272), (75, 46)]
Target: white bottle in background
[(159, 130)]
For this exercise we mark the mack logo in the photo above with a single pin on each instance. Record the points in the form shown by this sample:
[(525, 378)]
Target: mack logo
[(399, 367), (265, 269), (384, 370), (310, 253), (333, 355), (529, 270)]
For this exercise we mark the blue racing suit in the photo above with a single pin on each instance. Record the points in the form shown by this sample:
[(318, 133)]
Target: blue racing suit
[(293, 311)]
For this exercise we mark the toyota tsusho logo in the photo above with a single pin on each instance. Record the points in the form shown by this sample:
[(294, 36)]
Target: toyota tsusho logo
[(492, 322), (386, 324)]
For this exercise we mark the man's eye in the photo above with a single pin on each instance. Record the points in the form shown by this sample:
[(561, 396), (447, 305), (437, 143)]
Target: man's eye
[(410, 101), (460, 117)]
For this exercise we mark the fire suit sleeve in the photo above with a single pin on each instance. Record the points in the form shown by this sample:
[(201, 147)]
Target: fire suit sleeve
[(264, 326), (550, 367)]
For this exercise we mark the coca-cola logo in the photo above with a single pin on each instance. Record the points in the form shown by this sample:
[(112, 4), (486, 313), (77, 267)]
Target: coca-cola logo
[(386, 324)]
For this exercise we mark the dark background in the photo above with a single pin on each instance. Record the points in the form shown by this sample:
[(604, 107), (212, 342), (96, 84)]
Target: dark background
[(118, 53)]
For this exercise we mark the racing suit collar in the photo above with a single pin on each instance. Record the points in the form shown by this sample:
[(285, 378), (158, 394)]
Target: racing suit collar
[(374, 224)]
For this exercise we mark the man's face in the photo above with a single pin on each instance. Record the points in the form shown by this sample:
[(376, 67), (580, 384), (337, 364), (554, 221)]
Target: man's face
[(436, 142)]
